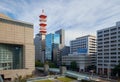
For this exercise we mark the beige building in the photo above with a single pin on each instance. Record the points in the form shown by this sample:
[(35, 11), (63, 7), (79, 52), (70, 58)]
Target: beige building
[(16, 47)]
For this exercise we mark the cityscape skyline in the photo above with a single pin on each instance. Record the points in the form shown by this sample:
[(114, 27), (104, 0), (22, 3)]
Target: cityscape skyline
[(17, 43), (76, 17)]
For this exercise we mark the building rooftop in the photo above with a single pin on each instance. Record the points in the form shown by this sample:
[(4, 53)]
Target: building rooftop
[(117, 24), (86, 36), (4, 17)]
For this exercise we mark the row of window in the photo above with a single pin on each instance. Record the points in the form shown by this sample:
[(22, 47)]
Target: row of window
[(107, 61), (106, 46), (107, 42), (112, 29), (107, 38), (106, 65), (108, 34), (107, 57), (108, 49)]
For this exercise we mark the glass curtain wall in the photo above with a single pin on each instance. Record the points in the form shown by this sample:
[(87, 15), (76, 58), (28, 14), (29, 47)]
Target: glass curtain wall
[(48, 52), (52, 42), (11, 56)]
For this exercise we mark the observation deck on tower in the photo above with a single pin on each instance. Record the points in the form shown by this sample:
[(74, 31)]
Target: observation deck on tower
[(43, 24)]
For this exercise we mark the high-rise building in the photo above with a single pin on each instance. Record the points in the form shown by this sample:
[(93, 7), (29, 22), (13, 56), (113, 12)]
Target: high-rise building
[(52, 46), (61, 32), (83, 45), (39, 40), (43, 30), (65, 50), (37, 43), (108, 52), (83, 51), (62, 47), (16, 47)]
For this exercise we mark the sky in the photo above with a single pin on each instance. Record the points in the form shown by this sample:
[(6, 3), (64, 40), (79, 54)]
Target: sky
[(76, 17)]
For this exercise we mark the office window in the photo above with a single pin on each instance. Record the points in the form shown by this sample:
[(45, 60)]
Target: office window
[(11, 56)]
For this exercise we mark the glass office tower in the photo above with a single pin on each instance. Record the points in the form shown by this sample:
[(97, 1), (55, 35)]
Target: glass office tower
[(48, 52), (11, 56), (56, 39), (51, 41)]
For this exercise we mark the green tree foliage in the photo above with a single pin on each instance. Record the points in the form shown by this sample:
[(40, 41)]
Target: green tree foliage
[(86, 81), (63, 64), (52, 65), (91, 67), (116, 70), (38, 64), (73, 65)]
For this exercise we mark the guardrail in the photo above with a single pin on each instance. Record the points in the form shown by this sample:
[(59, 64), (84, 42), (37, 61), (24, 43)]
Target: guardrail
[(67, 73)]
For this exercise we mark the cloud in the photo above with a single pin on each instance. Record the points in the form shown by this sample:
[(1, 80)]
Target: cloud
[(77, 17)]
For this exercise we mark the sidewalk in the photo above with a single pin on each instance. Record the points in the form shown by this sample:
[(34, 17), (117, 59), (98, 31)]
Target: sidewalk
[(101, 77)]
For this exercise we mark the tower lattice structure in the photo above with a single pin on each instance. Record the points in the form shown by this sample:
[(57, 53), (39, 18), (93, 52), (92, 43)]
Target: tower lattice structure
[(43, 24)]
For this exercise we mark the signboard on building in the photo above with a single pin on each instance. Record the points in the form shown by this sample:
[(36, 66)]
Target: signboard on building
[(82, 50)]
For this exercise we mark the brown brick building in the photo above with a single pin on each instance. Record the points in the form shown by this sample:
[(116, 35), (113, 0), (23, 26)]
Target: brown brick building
[(16, 47)]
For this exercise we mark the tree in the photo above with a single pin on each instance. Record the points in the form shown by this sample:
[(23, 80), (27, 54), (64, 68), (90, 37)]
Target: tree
[(73, 65), (63, 64), (51, 64), (116, 70), (91, 67), (38, 64)]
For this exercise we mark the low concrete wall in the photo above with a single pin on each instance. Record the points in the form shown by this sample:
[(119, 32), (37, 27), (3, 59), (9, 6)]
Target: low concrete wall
[(62, 70), (46, 69), (13, 73)]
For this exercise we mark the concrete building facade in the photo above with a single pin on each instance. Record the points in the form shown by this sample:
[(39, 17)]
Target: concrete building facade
[(85, 44), (65, 50), (16, 47), (52, 47), (61, 32), (37, 43), (83, 51), (108, 52), (62, 47), (82, 60)]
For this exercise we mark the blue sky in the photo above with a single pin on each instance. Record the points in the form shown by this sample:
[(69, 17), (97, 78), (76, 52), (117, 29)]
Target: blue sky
[(77, 17)]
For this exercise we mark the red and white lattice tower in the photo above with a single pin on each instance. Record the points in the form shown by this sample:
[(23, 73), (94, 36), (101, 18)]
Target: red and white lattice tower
[(43, 24), (43, 31)]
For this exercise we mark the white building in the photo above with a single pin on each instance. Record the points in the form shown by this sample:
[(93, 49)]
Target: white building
[(83, 51), (87, 44), (82, 60), (108, 44), (39, 54)]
